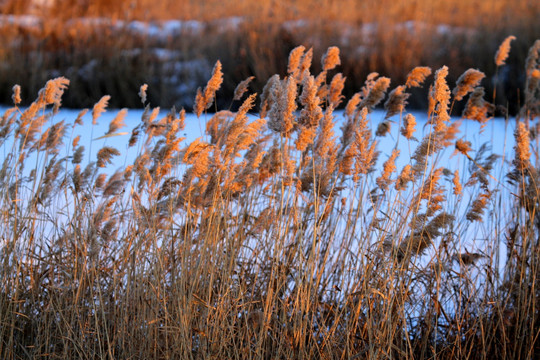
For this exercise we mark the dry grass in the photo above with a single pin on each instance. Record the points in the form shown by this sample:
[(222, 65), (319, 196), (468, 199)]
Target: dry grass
[(270, 237), (109, 55)]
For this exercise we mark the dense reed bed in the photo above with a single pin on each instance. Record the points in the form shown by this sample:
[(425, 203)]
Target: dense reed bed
[(107, 47), (273, 235)]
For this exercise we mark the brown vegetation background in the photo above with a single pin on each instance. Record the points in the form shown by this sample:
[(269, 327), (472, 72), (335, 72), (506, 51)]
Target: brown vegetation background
[(253, 38), (277, 236)]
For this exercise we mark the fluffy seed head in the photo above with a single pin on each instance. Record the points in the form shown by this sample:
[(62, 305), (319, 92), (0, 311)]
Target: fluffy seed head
[(463, 147), (335, 90), (522, 147), (467, 82), (478, 206), (204, 100), (376, 91), (99, 108), (295, 59), (417, 76), (405, 177), (16, 94), (440, 99), (389, 167), (142, 93), (331, 59), (352, 104), (502, 52), (105, 154), (477, 108), (457, 184), (118, 122), (397, 100), (242, 88), (408, 126), (54, 89)]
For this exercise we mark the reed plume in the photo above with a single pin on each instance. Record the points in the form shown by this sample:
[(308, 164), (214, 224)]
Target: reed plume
[(331, 58), (467, 82), (522, 147), (270, 95), (142, 93), (241, 135), (463, 147), (204, 100), (242, 87), (422, 235), (433, 192), (310, 115), (295, 60), (99, 108), (503, 51), (477, 108), (54, 89), (115, 184), (408, 128), (16, 97), (325, 146), (105, 155), (364, 149), (375, 91), (389, 167), (134, 136), (440, 100), (281, 117), (429, 145), (335, 90), (476, 211), (417, 76), (347, 159), (198, 155), (75, 141), (118, 122), (305, 65), (397, 100), (383, 128), (352, 105), (78, 120), (405, 177), (55, 137), (458, 188), (78, 155)]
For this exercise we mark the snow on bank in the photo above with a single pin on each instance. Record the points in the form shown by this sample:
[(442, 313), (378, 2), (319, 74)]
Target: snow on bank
[(498, 135), (163, 30)]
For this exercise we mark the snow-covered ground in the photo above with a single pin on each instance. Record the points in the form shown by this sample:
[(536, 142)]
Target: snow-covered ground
[(498, 133), (164, 29)]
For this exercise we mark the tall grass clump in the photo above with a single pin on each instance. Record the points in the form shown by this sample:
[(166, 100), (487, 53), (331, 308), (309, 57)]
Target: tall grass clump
[(273, 234)]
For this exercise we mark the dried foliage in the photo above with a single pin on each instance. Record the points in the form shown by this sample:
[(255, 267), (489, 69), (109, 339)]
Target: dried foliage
[(271, 236), (503, 51)]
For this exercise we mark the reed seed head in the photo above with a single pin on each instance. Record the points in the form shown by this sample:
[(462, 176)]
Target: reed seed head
[(417, 76), (331, 59), (16, 94), (503, 51), (467, 82)]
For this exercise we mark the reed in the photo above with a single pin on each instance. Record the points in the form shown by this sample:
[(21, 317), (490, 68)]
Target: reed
[(271, 235)]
